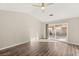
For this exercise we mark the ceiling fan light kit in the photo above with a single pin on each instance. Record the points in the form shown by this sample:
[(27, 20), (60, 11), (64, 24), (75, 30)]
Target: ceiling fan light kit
[(43, 6), (51, 15)]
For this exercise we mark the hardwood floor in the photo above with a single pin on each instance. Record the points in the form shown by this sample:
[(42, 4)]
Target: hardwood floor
[(42, 49)]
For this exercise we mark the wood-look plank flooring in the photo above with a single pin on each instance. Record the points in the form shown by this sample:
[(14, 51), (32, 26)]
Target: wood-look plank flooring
[(42, 49)]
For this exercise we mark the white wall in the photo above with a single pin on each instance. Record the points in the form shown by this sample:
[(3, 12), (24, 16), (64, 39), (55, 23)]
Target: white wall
[(73, 29), (17, 28)]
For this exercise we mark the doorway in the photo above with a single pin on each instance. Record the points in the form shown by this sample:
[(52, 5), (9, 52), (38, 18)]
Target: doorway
[(57, 31)]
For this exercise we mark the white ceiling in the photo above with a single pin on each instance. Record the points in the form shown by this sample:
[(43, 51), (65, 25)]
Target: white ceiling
[(59, 10)]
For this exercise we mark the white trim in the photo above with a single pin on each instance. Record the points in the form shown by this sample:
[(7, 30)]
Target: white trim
[(47, 40), (41, 40), (70, 43), (13, 45), (67, 42)]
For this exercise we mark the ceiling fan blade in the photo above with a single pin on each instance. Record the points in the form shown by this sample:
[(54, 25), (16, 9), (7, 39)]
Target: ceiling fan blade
[(36, 5), (50, 3), (43, 5)]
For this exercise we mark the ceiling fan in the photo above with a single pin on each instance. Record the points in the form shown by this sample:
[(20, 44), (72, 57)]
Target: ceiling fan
[(42, 5)]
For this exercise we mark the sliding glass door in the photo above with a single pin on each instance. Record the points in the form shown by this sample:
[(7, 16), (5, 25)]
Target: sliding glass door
[(58, 31)]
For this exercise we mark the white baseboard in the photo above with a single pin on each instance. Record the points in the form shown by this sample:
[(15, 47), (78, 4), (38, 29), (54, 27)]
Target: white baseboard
[(13, 45), (72, 43), (68, 42), (44, 40), (40, 41)]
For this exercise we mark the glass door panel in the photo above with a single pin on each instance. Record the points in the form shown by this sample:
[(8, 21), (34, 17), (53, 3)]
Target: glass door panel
[(51, 32), (57, 31), (61, 31)]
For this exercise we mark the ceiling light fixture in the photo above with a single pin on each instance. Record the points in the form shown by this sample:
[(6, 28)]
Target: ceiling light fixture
[(43, 8), (43, 5), (51, 15)]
